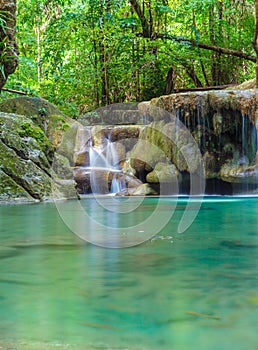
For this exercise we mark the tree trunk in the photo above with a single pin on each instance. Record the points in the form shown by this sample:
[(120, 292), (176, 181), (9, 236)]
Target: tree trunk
[(146, 26), (169, 82), (39, 50), (8, 46), (255, 40)]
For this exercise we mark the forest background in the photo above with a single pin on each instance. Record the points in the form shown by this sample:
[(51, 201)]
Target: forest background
[(84, 54)]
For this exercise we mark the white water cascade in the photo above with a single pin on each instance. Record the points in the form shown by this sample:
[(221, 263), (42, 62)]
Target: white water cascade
[(105, 158)]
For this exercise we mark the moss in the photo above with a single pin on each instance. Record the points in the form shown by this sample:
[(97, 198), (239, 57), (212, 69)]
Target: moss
[(25, 173), (10, 189), (29, 106), (28, 129)]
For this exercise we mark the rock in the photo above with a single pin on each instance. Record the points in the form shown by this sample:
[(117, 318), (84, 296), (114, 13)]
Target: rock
[(96, 181), (144, 190), (68, 143), (25, 173), (19, 132), (62, 168), (10, 190), (187, 158), (131, 181), (43, 113), (82, 158), (98, 135), (35, 107), (56, 128), (210, 165), (64, 189), (152, 147), (26, 155), (163, 173), (239, 173), (117, 155), (121, 132), (249, 84)]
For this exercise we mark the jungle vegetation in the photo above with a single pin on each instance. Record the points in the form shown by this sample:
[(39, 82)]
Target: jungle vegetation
[(83, 54)]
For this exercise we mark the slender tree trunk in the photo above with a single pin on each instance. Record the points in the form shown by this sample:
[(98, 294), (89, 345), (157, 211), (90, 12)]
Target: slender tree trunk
[(199, 52), (39, 50), (255, 40)]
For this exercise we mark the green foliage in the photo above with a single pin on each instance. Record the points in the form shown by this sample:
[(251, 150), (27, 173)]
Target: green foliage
[(87, 53)]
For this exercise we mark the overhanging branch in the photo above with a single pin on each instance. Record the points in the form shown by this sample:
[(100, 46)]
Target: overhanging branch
[(221, 50)]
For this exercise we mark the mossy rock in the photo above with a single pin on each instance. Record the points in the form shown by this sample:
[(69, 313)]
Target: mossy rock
[(25, 159), (43, 113), (25, 173), (144, 190), (29, 106), (162, 173), (9, 189), (18, 132), (56, 127)]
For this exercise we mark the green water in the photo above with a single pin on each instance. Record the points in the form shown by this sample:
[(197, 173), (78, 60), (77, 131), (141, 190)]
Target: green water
[(194, 290)]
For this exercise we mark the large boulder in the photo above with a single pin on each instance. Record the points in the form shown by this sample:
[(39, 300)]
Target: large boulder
[(10, 190), (25, 158), (163, 173)]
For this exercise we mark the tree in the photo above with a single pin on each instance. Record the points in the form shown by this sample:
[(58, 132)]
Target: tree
[(81, 54), (8, 47), (255, 40)]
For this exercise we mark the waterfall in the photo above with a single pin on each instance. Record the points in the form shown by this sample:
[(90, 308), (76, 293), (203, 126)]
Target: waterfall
[(106, 159), (111, 155), (243, 135), (97, 159), (118, 184), (243, 159)]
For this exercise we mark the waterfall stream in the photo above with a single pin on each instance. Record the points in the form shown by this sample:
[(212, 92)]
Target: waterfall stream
[(224, 128)]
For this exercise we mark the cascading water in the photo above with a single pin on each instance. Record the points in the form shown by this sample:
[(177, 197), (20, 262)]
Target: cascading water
[(223, 124), (103, 164)]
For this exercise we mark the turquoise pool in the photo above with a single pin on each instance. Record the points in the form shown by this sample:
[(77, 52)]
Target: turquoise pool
[(194, 290)]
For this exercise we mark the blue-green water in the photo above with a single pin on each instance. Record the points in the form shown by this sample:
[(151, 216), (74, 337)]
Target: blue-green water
[(194, 290)]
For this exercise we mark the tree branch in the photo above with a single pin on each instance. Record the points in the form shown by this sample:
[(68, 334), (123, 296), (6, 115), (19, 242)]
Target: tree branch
[(193, 42), (15, 91)]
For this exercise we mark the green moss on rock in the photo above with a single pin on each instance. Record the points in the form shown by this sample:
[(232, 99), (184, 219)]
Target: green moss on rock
[(9, 189)]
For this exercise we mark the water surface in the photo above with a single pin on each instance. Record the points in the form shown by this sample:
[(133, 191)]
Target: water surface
[(194, 290)]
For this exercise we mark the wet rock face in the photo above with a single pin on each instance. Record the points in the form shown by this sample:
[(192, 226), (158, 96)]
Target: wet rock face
[(224, 126), (9, 51), (219, 127)]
